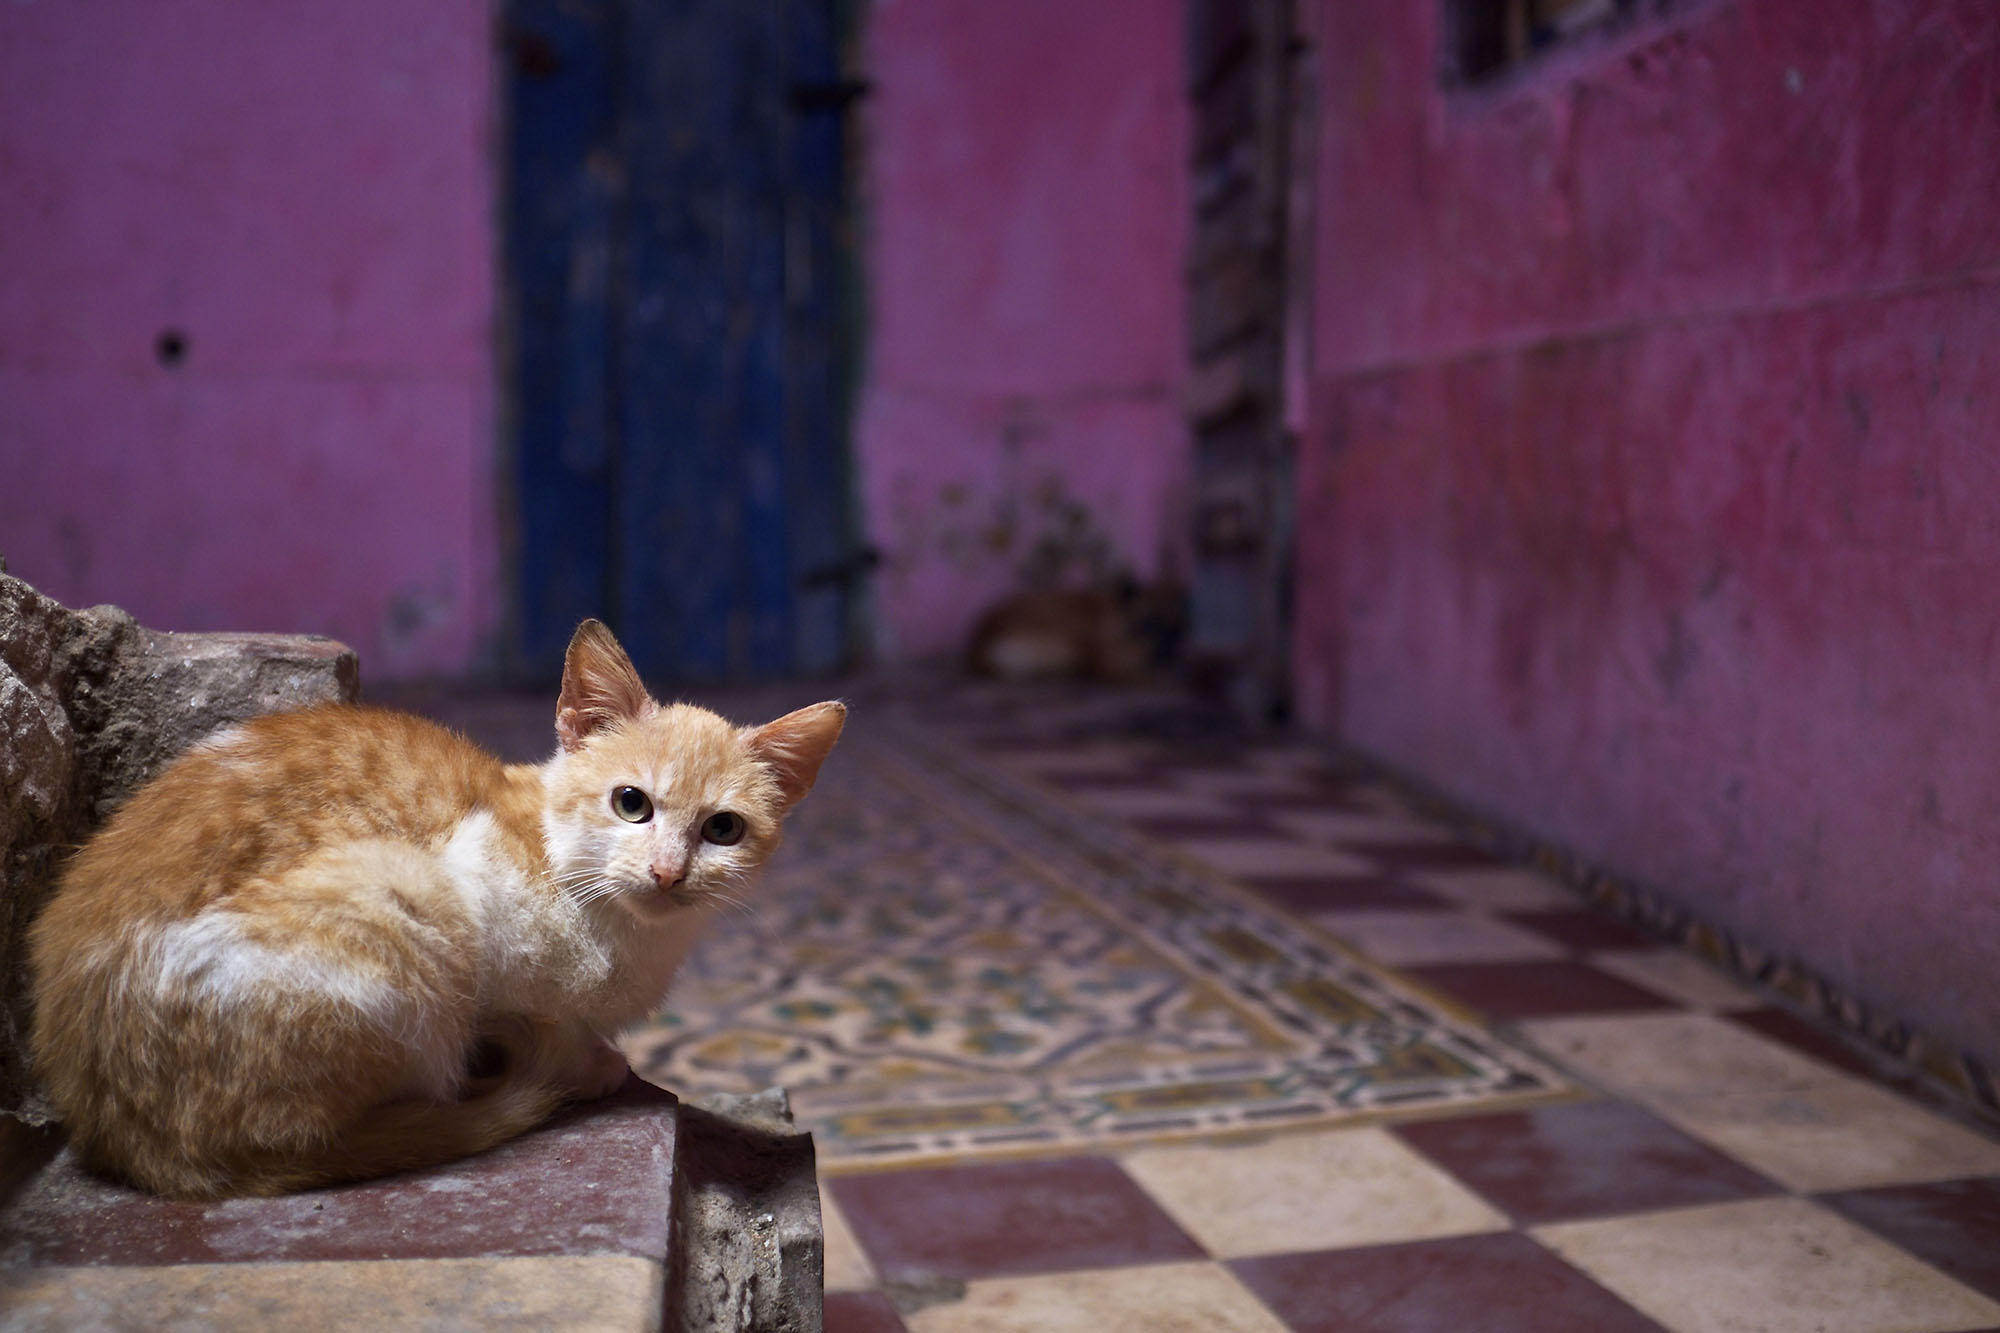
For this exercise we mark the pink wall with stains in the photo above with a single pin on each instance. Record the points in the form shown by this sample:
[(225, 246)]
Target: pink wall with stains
[(308, 199), (305, 193), (1651, 498), (1026, 213)]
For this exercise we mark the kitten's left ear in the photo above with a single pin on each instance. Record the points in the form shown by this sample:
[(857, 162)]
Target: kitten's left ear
[(797, 744), (599, 686)]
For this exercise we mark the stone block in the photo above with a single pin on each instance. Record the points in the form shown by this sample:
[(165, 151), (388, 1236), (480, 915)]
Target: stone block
[(631, 1213)]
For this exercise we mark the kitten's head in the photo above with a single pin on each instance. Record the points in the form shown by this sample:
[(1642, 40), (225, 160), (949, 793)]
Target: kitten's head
[(660, 809)]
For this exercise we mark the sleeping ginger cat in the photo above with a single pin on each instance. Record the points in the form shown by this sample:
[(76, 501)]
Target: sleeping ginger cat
[(337, 943)]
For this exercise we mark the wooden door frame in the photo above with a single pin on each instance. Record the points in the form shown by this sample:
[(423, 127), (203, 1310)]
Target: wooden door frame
[(1241, 55)]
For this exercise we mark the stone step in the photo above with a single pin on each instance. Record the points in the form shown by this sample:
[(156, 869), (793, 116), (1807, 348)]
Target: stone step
[(635, 1212)]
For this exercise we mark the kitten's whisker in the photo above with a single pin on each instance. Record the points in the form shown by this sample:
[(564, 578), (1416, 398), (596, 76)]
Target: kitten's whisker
[(593, 888), (731, 901)]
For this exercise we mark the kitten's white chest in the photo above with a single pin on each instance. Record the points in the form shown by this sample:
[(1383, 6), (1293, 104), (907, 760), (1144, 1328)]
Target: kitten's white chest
[(539, 952)]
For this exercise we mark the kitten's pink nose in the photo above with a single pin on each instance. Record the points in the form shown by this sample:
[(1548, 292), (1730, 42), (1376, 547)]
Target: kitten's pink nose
[(667, 874)]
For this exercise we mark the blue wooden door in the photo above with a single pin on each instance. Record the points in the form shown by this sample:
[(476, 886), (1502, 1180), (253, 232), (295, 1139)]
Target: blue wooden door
[(676, 330)]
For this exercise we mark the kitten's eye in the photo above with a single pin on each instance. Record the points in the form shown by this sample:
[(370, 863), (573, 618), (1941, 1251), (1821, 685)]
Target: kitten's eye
[(632, 805), (724, 828)]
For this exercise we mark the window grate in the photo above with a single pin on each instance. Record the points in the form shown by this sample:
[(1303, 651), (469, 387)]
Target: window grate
[(1491, 37)]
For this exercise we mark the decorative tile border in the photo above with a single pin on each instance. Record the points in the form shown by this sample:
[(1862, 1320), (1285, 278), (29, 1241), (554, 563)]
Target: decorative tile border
[(958, 963), (1957, 1076)]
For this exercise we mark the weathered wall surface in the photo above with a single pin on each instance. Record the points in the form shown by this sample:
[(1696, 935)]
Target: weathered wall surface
[(1027, 209), (1651, 497), (304, 196)]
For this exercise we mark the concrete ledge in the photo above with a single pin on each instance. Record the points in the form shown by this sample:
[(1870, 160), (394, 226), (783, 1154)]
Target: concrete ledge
[(630, 1213), (606, 1293)]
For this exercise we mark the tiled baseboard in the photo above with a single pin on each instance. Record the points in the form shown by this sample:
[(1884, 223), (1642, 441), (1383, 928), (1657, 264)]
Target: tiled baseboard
[(1969, 1083)]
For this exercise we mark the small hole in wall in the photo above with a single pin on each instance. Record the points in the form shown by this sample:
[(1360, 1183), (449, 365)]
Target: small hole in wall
[(171, 347)]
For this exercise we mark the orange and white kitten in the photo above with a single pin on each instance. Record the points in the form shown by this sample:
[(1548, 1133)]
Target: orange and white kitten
[(341, 942)]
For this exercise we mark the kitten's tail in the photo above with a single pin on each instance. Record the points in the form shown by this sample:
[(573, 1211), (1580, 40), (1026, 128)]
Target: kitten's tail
[(521, 1088)]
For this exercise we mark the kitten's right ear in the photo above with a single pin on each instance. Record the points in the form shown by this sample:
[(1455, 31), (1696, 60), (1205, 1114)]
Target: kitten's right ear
[(599, 686), (796, 745)]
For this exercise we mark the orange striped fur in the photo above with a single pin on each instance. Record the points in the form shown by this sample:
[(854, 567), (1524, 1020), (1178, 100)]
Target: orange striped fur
[(281, 963)]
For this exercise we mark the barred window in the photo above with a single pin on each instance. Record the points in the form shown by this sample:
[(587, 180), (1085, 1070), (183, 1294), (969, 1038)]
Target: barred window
[(1489, 37)]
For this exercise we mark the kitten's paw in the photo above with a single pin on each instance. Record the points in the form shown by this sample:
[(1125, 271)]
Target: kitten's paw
[(598, 1070)]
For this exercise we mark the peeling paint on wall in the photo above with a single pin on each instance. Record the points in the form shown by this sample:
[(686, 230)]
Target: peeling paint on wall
[(1028, 217), (1025, 526)]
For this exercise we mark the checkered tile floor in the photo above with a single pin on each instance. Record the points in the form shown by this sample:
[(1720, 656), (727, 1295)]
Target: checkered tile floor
[(1732, 1167)]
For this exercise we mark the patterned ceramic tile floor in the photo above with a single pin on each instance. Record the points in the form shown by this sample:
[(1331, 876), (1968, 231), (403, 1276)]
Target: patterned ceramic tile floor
[(1730, 1167)]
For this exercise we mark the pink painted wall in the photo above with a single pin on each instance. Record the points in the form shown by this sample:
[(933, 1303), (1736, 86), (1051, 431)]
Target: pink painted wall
[(307, 193), (1651, 497), (1027, 211)]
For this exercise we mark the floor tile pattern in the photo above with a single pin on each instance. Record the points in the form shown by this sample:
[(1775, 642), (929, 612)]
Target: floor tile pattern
[(1725, 1166), (999, 1218), (1387, 1193), (1165, 1298), (1587, 1159), (1500, 1283), (1955, 1224), (1813, 1271), (951, 961)]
